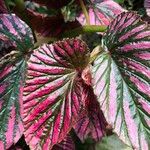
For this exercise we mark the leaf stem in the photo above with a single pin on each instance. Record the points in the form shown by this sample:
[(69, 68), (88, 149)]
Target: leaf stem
[(95, 53), (85, 12), (84, 29)]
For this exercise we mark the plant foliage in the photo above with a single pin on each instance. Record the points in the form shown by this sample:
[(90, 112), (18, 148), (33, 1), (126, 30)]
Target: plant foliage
[(58, 94)]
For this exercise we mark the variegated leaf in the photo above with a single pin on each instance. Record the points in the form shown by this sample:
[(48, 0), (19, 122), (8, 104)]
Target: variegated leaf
[(92, 123), (101, 12), (122, 79), (53, 92), (11, 91), (15, 32), (66, 144)]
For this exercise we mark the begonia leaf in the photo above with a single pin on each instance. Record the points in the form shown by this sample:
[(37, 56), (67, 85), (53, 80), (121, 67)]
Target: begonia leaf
[(11, 92), (122, 79), (14, 34), (53, 95)]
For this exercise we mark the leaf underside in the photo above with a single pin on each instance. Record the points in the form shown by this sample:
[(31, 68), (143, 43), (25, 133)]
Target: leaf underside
[(122, 79), (53, 92)]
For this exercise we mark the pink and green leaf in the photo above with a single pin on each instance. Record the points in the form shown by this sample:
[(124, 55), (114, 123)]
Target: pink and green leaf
[(122, 79), (11, 92), (92, 123), (15, 32), (101, 12), (53, 92)]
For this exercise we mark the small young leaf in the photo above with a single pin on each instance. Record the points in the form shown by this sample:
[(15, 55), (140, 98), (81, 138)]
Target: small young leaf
[(11, 91), (92, 123), (66, 144), (122, 79), (53, 92), (101, 12), (15, 32)]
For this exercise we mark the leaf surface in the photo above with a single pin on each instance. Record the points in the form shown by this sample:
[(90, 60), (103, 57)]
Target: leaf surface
[(122, 79), (11, 91), (15, 32), (92, 123), (53, 92)]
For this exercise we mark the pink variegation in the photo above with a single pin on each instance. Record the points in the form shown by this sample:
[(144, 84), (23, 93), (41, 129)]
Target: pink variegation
[(122, 79), (53, 92), (14, 32), (11, 91), (101, 12), (92, 123)]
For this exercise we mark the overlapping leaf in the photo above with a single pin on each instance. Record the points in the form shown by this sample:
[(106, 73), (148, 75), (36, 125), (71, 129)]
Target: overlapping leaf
[(122, 79), (92, 123), (11, 90), (101, 12), (66, 144), (53, 92), (15, 32)]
